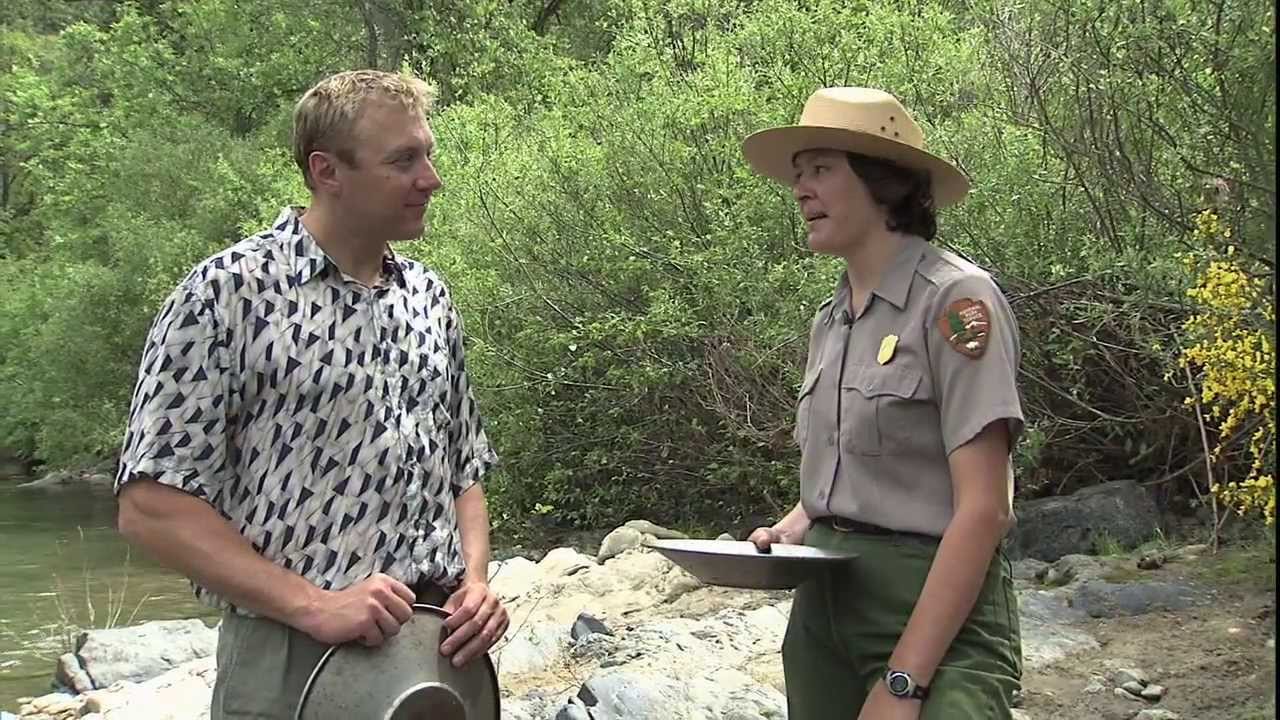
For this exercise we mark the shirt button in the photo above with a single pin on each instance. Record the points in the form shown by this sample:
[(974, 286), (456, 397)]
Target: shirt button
[(822, 494), (831, 439)]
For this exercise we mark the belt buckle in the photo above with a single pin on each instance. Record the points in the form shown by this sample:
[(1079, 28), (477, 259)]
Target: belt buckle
[(841, 524)]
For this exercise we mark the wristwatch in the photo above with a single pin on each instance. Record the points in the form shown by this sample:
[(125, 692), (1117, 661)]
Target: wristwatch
[(902, 685)]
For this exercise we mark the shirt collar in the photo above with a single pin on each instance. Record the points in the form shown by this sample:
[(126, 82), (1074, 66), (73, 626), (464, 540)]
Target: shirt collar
[(307, 260), (895, 283)]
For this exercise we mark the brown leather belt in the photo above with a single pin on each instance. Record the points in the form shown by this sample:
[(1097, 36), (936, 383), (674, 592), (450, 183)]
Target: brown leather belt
[(846, 525)]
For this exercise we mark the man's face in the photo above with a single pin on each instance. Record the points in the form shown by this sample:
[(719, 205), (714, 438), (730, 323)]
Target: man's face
[(384, 194)]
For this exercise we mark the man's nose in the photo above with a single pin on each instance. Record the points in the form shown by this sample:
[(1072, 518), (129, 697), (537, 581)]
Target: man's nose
[(430, 181)]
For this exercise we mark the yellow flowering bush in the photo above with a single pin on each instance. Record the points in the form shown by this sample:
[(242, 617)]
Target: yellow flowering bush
[(1231, 348)]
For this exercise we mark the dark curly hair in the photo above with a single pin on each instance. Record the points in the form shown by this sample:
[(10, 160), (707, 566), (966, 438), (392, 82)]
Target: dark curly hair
[(907, 194)]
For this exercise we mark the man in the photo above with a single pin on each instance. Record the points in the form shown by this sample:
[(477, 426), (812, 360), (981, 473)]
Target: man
[(303, 442)]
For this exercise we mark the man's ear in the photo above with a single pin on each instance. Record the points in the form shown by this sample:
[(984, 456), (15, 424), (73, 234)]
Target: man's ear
[(324, 171)]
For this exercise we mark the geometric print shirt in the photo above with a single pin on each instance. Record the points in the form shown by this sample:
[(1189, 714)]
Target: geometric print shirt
[(330, 423)]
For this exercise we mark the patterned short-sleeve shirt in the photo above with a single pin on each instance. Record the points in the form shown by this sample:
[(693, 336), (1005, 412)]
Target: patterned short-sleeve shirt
[(331, 423)]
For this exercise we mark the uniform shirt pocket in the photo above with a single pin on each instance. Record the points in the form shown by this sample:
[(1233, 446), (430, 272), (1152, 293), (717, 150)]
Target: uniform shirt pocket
[(804, 404), (878, 407)]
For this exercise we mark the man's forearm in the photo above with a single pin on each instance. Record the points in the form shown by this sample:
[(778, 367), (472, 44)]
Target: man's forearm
[(186, 534), (473, 526)]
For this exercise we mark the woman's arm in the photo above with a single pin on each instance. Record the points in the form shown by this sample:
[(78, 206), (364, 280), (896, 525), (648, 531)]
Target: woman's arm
[(979, 478)]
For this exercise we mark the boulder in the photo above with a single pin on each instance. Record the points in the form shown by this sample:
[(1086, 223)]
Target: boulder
[(618, 542), (1119, 512), (71, 675), (144, 651), (1102, 599)]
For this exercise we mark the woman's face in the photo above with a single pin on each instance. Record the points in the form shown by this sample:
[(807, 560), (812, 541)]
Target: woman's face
[(834, 202)]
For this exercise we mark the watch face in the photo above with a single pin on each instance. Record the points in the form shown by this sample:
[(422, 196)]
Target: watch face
[(899, 683)]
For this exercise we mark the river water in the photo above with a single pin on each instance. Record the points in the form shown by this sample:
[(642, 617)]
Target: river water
[(63, 567)]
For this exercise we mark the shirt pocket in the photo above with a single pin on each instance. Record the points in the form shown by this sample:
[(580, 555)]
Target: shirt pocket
[(874, 399), (804, 404), (426, 394)]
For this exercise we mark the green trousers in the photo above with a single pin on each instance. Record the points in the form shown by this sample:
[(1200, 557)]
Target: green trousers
[(844, 627)]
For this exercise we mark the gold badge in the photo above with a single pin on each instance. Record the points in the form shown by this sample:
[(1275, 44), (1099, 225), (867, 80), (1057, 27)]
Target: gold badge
[(887, 346)]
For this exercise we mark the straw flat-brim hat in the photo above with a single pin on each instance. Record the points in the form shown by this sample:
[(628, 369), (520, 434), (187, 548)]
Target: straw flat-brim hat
[(860, 120)]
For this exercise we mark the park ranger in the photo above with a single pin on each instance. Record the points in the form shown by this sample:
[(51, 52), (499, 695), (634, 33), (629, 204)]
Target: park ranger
[(906, 417)]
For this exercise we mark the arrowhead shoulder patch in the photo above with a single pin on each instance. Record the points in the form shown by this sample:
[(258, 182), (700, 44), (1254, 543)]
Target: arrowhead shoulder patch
[(966, 325)]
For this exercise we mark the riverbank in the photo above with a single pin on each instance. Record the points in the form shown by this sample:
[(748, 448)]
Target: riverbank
[(1196, 628)]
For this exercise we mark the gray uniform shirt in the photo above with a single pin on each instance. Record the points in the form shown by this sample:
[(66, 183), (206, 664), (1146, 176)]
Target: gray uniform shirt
[(889, 394)]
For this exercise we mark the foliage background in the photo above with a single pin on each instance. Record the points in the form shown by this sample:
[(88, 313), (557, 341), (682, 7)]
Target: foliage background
[(636, 300)]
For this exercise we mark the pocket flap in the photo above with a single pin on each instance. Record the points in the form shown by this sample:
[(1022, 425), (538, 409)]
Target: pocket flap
[(872, 380)]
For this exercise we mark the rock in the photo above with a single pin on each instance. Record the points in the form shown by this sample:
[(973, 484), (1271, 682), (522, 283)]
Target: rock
[(1103, 599), (1020, 715), (1153, 692), (512, 578), (1096, 685), (1151, 561), (71, 675), (1128, 675), (1047, 529), (1121, 692), (534, 648), (1133, 687), (586, 625), (1048, 628), (644, 527), (1071, 570), (144, 651), (618, 542), (563, 562), (1156, 714), (573, 709), (1028, 569), (620, 694), (56, 479), (595, 646)]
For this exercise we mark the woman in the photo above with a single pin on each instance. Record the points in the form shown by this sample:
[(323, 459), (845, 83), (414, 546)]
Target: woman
[(906, 418)]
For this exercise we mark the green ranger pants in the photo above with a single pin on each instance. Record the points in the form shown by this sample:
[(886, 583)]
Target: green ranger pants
[(844, 627)]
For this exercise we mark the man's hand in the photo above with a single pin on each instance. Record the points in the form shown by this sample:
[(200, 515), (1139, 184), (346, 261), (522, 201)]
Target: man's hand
[(370, 611), (476, 621), (880, 705)]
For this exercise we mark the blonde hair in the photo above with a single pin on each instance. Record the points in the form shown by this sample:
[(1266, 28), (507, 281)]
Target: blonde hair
[(325, 118)]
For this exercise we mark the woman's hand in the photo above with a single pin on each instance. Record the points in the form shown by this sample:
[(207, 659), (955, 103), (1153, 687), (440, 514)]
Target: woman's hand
[(880, 705)]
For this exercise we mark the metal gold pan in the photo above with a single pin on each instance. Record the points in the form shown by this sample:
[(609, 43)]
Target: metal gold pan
[(406, 678), (738, 564)]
